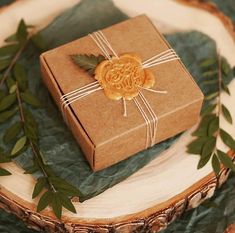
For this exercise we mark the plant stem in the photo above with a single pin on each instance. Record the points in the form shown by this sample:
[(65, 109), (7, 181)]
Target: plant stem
[(20, 103), (14, 60), (32, 145), (219, 85), (218, 101)]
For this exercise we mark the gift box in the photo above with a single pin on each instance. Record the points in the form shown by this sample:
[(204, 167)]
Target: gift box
[(109, 124)]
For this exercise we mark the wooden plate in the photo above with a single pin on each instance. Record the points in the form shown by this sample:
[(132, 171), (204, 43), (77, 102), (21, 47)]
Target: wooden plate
[(161, 191)]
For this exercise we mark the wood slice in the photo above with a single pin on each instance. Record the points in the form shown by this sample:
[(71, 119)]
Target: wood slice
[(161, 191)]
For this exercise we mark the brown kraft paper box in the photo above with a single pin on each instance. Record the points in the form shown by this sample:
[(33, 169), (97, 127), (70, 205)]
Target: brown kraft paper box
[(97, 122)]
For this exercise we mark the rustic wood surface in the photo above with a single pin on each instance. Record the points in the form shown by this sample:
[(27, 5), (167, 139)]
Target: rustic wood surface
[(120, 208)]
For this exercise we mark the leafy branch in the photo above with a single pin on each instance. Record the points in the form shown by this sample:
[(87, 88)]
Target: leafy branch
[(209, 130), (16, 100)]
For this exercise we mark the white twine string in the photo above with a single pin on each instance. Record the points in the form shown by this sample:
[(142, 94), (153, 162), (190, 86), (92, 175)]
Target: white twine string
[(154, 118), (152, 90), (124, 107), (104, 45), (166, 56), (77, 94), (147, 121), (101, 35), (79, 90)]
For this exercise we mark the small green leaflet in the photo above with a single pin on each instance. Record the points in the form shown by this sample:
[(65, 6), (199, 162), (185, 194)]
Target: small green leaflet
[(29, 98), (4, 116), (41, 182), (20, 76), (226, 160), (19, 145), (67, 203), (22, 33), (56, 205), (44, 201), (8, 50), (216, 164), (12, 132), (7, 101), (227, 114), (39, 42), (4, 172), (227, 139)]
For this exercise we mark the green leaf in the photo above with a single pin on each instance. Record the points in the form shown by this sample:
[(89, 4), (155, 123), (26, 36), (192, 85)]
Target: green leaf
[(66, 202), (203, 161), (202, 129), (227, 114), (225, 67), (29, 98), (225, 160), (21, 33), (9, 50), (213, 126), (4, 116), (210, 73), (10, 82), (38, 42), (61, 184), (41, 182), (208, 109), (57, 205), (4, 172), (19, 145), (208, 62), (212, 96), (225, 88), (13, 89), (31, 126), (88, 62), (11, 38), (44, 201), (7, 102), (216, 164), (210, 82), (12, 132), (195, 147), (20, 76), (208, 147), (227, 139), (4, 63)]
